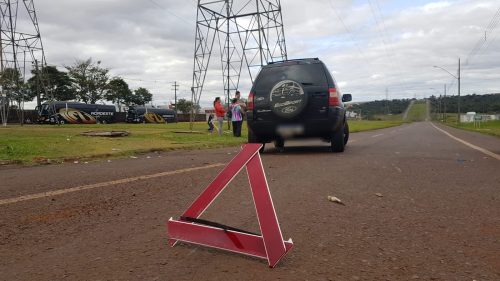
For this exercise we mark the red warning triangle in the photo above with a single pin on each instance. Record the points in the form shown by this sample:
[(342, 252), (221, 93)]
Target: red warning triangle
[(269, 245)]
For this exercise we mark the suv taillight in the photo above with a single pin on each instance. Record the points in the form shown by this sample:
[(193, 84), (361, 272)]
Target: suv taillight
[(333, 99), (250, 101)]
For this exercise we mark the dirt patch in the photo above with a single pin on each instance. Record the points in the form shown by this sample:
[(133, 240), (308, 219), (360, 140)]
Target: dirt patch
[(109, 134)]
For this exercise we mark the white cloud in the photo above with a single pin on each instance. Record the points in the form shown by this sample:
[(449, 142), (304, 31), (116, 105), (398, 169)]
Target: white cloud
[(435, 7), (368, 46)]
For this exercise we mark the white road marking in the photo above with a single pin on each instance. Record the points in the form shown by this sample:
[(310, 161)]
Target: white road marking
[(103, 184), (378, 135), (487, 152)]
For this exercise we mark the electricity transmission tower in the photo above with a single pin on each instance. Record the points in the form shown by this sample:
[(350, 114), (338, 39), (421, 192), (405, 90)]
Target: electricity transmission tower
[(248, 33), (21, 50)]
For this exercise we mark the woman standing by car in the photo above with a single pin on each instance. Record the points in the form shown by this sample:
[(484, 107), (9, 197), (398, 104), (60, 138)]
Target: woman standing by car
[(219, 112)]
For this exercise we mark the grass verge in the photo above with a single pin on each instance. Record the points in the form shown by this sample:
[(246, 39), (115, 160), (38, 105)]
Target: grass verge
[(364, 125), (40, 144), (491, 128), (45, 143)]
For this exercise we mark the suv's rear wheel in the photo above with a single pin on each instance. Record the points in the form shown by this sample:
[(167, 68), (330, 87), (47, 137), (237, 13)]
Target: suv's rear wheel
[(252, 138), (338, 139), (279, 144)]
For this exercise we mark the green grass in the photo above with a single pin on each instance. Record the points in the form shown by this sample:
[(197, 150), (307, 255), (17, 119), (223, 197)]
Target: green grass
[(364, 125), (487, 127), (388, 117), (417, 112), (450, 118), (39, 143), (36, 144)]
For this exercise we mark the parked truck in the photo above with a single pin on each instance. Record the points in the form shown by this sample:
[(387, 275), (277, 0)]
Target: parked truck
[(65, 112), (141, 114)]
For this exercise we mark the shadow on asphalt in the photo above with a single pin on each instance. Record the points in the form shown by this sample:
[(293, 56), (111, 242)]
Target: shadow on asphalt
[(299, 150)]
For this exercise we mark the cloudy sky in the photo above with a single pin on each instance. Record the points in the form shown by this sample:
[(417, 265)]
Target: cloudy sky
[(372, 47)]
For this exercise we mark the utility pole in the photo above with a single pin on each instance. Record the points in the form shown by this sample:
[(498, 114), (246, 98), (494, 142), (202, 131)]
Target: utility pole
[(386, 101), (175, 87), (458, 103), (458, 78), (3, 96), (228, 14), (38, 101), (440, 107), (444, 104)]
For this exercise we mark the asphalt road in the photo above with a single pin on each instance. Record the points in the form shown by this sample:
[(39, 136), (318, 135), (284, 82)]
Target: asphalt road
[(419, 205)]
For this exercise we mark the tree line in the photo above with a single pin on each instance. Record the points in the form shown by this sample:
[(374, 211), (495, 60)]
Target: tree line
[(84, 81), (489, 104), (369, 110)]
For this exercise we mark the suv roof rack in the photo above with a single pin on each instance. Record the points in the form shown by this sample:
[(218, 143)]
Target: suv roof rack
[(282, 61)]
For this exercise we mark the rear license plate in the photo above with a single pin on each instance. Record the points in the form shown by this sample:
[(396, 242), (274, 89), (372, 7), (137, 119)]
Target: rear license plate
[(290, 130)]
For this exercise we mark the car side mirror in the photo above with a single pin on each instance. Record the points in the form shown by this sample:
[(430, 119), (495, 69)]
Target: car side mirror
[(346, 97)]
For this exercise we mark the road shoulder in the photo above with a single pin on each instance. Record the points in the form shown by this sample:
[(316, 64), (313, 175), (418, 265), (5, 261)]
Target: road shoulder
[(487, 142)]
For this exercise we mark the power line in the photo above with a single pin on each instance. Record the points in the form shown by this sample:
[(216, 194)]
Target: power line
[(142, 80), (484, 39), (361, 54), (353, 38), (383, 36), (168, 11)]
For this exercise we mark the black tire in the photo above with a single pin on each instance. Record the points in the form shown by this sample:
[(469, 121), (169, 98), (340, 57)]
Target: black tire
[(261, 150), (62, 122), (288, 99), (252, 138), (338, 141), (346, 133), (279, 144)]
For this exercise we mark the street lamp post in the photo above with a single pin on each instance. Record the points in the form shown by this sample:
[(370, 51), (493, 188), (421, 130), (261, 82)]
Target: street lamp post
[(458, 78), (458, 102), (444, 104)]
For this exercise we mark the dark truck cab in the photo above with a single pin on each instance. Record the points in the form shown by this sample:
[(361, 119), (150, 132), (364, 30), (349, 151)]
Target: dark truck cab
[(297, 99)]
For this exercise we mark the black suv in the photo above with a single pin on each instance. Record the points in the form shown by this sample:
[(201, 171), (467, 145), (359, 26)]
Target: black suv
[(297, 99)]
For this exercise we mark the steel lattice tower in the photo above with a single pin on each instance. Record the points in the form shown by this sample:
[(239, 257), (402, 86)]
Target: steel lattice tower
[(20, 43), (249, 33)]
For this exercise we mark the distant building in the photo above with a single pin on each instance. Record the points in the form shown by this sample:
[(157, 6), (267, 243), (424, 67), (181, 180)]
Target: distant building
[(351, 114), (469, 117)]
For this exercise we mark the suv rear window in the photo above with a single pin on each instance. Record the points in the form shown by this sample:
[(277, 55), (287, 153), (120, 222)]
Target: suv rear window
[(311, 74)]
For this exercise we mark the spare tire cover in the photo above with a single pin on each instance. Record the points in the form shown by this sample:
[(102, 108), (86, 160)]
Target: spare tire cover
[(287, 98)]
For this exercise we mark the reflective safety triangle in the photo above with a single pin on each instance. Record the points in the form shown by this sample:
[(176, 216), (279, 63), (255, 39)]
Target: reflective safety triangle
[(269, 245)]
